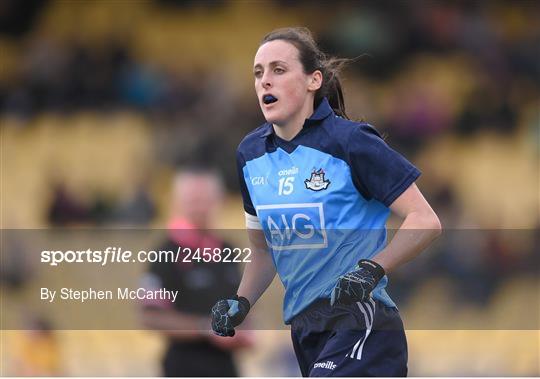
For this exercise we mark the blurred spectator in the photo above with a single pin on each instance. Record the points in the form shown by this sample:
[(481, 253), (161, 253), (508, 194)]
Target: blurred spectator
[(36, 351), (138, 209), (15, 270), (17, 17), (65, 208), (192, 349)]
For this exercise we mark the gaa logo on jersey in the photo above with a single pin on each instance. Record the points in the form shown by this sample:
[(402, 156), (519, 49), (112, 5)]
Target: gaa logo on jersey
[(293, 226)]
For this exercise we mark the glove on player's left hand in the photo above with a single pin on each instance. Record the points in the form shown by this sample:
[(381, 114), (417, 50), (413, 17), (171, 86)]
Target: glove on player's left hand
[(226, 314), (357, 285)]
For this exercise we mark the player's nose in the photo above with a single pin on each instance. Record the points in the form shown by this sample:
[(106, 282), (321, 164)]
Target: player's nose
[(266, 82)]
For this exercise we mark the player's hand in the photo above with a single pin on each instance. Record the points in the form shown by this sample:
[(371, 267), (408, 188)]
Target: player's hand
[(227, 314), (357, 285)]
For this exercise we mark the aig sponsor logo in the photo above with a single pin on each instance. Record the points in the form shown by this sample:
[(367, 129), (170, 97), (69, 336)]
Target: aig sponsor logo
[(294, 226)]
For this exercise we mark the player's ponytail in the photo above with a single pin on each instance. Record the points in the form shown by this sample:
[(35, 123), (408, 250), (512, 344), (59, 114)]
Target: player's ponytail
[(312, 58), (331, 87)]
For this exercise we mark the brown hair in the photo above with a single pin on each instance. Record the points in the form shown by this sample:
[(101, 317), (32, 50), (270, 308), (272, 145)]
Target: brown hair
[(312, 59)]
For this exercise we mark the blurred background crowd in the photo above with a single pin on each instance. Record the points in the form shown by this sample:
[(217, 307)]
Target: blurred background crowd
[(102, 101)]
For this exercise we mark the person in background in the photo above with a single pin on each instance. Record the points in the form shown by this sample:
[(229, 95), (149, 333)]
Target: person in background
[(192, 350)]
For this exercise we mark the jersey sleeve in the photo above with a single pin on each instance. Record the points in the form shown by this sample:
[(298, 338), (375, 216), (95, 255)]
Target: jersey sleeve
[(248, 205), (378, 172)]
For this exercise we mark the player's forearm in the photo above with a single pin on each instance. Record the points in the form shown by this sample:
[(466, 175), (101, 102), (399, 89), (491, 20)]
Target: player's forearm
[(259, 273), (415, 234)]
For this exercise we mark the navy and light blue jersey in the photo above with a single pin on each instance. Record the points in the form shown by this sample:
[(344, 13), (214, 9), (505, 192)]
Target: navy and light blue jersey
[(322, 200)]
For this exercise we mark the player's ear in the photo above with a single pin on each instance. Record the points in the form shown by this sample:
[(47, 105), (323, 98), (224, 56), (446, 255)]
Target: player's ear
[(315, 80)]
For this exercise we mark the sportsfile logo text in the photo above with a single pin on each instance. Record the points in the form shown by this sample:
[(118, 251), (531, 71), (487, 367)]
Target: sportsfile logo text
[(293, 226), (119, 255)]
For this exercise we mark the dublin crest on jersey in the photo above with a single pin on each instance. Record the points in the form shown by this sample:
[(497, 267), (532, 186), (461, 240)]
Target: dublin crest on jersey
[(317, 181)]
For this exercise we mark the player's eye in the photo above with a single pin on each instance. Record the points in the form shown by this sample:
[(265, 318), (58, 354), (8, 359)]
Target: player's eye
[(257, 73), (279, 70)]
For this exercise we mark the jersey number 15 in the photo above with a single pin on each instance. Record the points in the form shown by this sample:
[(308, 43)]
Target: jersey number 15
[(286, 185)]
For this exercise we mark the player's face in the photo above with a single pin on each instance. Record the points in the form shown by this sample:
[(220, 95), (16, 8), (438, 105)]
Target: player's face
[(283, 89)]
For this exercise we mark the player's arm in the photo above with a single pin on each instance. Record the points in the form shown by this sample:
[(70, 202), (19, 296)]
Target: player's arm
[(383, 174), (260, 271), (419, 228), (258, 274)]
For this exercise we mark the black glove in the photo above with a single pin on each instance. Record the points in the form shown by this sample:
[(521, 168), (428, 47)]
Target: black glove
[(357, 285), (227, 314)]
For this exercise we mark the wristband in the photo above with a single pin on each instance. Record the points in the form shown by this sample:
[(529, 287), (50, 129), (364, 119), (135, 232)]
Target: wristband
[(242, 300), (376, 269)]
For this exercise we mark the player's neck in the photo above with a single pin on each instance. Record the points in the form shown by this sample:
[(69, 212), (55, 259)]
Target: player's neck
[(294, 125)]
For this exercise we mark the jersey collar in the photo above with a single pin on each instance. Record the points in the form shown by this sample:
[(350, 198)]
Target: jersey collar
[(323, 111)]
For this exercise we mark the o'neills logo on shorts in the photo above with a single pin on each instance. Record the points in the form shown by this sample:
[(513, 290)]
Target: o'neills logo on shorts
[(329, 365)]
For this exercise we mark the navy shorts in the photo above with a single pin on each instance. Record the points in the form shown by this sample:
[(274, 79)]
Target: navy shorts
[(361, 339)]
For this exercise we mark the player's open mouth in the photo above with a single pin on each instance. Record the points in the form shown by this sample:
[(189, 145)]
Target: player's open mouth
[(269, 99)]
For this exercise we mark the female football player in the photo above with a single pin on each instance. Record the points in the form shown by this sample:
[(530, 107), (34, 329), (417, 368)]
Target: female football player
[(318, 189)]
